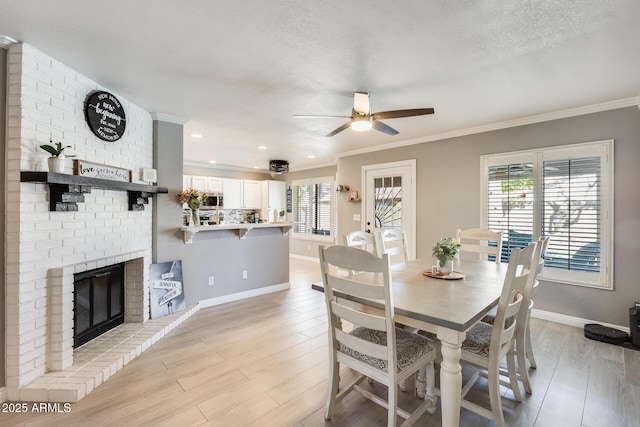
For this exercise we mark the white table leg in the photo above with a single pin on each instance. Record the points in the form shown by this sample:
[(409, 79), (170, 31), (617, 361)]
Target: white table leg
[(450, 377)]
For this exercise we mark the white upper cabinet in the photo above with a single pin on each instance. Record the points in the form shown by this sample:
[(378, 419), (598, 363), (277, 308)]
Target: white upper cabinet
[(252, 196), (273, 200), (241, 194), (214, 185), (199, 183), (232, 193), (206, 184)]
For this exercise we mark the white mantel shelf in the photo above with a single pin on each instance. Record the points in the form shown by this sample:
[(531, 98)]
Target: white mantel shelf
[(242, 229)]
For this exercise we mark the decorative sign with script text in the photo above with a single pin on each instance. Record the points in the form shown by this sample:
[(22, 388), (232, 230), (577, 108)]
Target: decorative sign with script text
[(105, 116), (94, 170)]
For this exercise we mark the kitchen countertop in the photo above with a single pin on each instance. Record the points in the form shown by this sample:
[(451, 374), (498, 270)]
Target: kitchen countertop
[(242, 229)]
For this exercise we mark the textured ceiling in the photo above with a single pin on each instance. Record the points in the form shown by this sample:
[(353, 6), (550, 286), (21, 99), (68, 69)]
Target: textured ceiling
[(239, 70)]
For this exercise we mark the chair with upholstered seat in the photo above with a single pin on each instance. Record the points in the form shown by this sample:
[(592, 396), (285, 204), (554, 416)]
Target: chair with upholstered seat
[(481, 241), (374, 347), (524, 348), (486, 346), (392, 241)]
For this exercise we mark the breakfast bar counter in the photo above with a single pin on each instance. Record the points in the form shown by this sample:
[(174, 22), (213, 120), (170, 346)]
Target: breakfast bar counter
[(242, 229)]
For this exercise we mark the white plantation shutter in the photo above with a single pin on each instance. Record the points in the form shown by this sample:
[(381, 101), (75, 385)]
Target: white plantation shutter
[(313, 208), (565, 193), (510, 204), (571, 213)]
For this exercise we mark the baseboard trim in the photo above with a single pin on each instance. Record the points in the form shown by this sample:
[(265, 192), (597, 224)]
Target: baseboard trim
[(564, 319), (243, 295), (304, 258)]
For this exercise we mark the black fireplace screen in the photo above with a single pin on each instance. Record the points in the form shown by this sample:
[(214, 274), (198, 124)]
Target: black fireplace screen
[(98, 303)]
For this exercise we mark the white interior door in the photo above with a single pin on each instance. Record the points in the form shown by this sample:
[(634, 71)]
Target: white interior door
[(390, 196)]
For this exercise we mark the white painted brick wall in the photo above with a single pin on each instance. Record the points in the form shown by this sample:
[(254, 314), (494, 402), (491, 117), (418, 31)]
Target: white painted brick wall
[(46, 99)]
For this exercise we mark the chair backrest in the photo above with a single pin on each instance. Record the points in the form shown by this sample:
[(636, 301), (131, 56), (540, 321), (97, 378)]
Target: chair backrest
[(361, 240), (484, 241), (519, 276), (393, 242), (377, 287)]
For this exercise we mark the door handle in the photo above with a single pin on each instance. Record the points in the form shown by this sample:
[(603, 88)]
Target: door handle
[(368, 231)]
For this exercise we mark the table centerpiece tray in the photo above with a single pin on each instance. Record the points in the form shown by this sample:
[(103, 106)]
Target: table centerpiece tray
[(454, 275)]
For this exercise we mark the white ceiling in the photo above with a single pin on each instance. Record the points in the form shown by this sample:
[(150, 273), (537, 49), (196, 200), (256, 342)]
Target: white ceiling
[(239, 70)]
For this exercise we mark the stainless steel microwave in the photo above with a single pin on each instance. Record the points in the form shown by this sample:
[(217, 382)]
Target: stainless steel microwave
[(213, 200)]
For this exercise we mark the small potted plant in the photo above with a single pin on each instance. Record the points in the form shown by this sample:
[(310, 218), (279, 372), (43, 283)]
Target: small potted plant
[(445, 252), (56, 161)]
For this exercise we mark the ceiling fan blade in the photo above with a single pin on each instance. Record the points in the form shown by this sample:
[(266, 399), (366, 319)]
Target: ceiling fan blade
[(402, 113), (378, 125), (298, 116), (340, 129), (361, 103)]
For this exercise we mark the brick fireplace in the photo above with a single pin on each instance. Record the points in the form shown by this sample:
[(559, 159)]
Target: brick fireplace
[(44, 249), (61, 302)]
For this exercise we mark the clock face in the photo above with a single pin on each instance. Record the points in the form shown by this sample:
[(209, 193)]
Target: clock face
[(105, 116)]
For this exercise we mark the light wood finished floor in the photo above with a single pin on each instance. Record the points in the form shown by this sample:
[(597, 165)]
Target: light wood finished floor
[(263, 362)]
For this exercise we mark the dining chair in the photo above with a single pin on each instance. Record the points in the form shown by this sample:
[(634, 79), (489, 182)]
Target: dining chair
[(360, 239), (528, 348), (471, 240), (523, 346), (486, 346), (374, 347), (393, 242)]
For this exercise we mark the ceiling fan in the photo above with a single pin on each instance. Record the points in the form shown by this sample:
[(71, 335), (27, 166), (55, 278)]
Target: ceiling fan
[(362, 119)]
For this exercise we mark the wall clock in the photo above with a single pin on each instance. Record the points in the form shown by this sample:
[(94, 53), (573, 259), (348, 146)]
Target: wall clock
[(105, 116)]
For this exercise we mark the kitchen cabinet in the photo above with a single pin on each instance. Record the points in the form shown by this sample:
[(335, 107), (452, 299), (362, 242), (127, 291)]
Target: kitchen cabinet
[(273, 200), (206, 184), (214, 185), (199, 183), (241, 194)]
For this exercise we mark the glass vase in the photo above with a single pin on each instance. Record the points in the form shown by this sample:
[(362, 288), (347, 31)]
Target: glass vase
[(194, 218)]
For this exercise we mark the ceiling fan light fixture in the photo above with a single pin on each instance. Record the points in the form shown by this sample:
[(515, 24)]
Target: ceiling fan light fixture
[(361, 125)]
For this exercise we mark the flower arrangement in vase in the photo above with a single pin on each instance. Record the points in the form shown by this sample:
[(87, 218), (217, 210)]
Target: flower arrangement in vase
[(194, 199), (445, 252), (56, 161)]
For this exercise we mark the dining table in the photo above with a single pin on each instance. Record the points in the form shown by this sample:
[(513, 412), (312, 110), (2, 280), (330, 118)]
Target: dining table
[(447, 306)]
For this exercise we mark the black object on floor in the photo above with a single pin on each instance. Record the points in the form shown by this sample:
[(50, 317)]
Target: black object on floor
[(602, 333)]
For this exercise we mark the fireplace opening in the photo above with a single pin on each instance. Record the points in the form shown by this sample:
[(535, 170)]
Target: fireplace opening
[(98, 303)]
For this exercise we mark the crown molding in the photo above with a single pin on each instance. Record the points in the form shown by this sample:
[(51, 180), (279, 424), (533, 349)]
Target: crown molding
[(546, 117), (6, 41), (161, 117)]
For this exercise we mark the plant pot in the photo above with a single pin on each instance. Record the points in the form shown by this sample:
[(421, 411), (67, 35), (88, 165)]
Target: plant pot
[(56, 164), (445, 267)]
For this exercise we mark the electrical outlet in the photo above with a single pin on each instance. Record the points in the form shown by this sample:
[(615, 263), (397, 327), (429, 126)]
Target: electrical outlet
[(211, 278), (244, 274), (308, 247)]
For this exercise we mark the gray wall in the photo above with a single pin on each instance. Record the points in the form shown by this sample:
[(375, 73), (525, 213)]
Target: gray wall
[(264, 253), (448, 198), (3, 100), (304, 247)]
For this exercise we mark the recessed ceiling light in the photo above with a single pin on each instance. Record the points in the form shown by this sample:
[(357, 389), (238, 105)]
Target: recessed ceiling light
[(262, 147), (311, 156), (256, 167), (196, 135), (212, 161)]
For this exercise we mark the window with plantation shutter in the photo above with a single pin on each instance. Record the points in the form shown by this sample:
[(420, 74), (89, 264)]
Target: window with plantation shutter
[(313, 208), (562, 192)]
